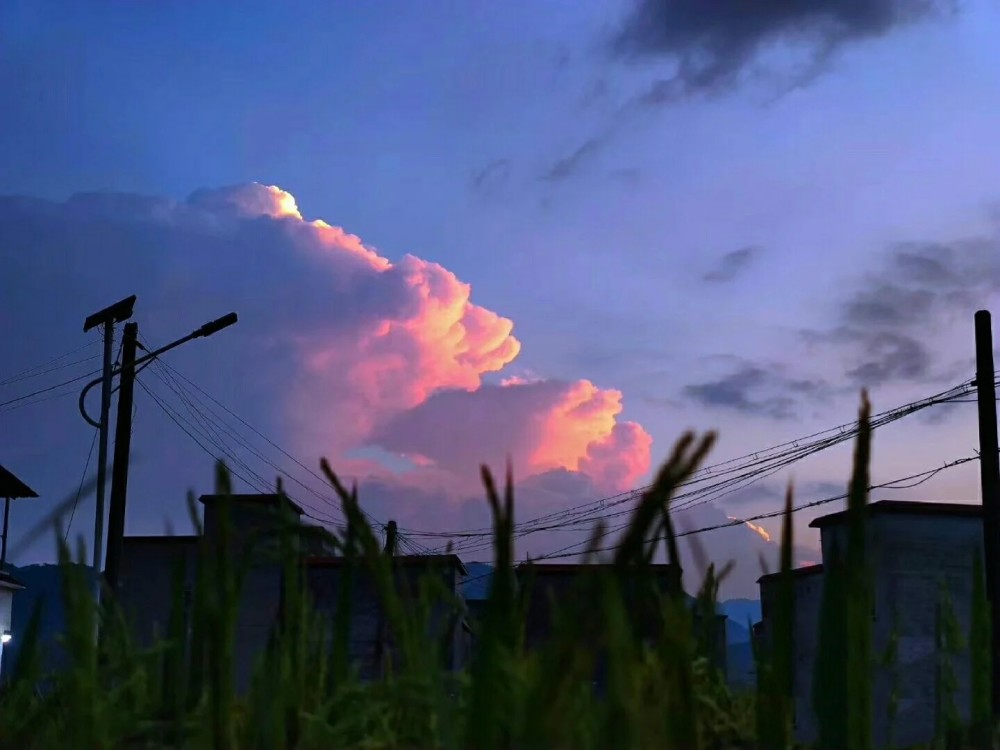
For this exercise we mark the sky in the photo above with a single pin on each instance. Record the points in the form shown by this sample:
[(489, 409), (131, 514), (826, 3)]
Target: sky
[(563, 233)]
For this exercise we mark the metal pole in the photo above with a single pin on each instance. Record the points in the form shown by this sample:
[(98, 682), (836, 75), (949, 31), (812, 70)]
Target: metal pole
[(6, 526), (102, 455), (989, 468), (119, 471)]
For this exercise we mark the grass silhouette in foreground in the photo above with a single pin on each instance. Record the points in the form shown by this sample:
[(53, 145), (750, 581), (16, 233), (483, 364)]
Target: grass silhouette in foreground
[(662, 695)]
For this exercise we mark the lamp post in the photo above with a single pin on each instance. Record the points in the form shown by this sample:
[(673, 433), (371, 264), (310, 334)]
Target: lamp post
[(130, 369), (105, 318)]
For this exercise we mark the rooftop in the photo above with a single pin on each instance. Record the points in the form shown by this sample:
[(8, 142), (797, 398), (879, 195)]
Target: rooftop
[(259, 499), (577, 567), (905, 508), (162, 539), (414, 560), (12, 487), (806, 570)]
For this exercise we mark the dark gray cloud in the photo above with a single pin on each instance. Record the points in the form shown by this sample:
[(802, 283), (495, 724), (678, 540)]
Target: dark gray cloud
[(712, 42), (569, 165), (732, 264), (888, 321), (755, 391), (492, 178), (891, 356)]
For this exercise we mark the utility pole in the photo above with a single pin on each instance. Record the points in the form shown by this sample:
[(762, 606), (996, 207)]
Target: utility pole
[(391, 539), (121, 467), (119, 470), (989, 471), (107, 318)]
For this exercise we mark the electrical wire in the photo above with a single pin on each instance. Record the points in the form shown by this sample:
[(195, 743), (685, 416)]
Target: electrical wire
[(913, 480), (895, 484), (86, 466), (51, 388), (31, 372), (734, 478), (238, 468), (195, 403), (79, 491)]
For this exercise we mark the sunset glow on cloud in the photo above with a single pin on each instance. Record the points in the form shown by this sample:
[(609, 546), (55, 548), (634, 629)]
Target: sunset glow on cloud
[(414, 332), (581, 433), (363, 350)]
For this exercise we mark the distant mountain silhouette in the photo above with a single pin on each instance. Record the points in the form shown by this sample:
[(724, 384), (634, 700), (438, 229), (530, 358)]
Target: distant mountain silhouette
[(740, 611)]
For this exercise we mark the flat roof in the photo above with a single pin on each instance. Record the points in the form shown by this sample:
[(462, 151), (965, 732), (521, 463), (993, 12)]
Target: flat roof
[(8, 581), (905, 508), (429, 560), (806, 570), (162, 539), (576, 567), (258, 498)]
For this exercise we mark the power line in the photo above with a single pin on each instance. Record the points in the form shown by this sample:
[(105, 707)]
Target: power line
[(732, 479), (79, 491), (50, 388), (921, 477), (186, 397), (914, 480), (190, 399), (34, 371), (28, 376), (238, 467)]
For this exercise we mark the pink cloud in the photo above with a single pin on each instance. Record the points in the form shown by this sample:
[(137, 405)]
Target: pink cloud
[(541, 426), (338, 346)]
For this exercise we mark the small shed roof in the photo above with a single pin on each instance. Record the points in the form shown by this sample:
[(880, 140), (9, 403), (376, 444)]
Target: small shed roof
[(8, 581), (12, 487)]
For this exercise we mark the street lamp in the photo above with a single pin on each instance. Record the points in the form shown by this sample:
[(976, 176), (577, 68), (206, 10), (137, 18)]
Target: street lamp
[(206, 330), (130, 368), (106, 319)]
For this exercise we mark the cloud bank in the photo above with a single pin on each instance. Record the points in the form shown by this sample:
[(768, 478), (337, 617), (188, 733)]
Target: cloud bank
[(339, 349), (713, 41), (356, 349)]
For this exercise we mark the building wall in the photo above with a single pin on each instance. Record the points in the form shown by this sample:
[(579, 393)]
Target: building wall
[(549, 585), (367, 618), (254, 538), (7, 592), (808, 595), (148, 567), (915, 557), (912, 556)]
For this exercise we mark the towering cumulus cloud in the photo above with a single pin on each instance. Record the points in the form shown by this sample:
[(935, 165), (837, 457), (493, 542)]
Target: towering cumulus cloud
[(339, 346), (542, 425)]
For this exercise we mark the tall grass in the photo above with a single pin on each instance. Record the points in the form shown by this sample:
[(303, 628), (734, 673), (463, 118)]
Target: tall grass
[(663, 693)]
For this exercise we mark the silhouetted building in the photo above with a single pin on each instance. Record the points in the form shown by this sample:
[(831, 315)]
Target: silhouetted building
[(150, 565), (550, 586), (8, 586), (807, 585), (371, 643), (917, 553)]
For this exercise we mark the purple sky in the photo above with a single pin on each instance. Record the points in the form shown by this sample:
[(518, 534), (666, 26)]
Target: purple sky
[(570, 232)]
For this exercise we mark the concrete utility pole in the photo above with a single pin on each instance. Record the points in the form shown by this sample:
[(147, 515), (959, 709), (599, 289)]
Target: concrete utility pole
[(119, 470), (107, 318), (989, 470), (123, 437)]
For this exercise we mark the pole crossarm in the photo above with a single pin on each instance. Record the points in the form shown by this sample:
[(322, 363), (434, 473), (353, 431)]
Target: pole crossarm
[(206, 330)]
